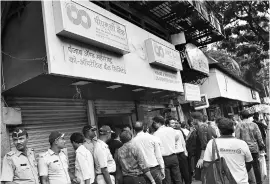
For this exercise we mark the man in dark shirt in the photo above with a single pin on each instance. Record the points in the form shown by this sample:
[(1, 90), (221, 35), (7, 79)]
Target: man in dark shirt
[(210, 130), (201, 142), (115, 142), (261, 126)]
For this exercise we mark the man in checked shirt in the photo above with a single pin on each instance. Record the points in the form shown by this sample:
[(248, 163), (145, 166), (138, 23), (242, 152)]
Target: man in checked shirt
[(130, 160)]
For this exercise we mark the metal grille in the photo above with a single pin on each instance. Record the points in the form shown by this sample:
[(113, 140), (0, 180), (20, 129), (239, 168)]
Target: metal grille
[(41, 116)]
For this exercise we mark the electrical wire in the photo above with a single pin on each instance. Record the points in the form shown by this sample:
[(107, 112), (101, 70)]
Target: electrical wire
[(25, 59), (44, 59)]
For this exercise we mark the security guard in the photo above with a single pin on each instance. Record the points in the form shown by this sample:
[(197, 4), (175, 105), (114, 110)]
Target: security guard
[(104, 163), (20, 166), (53, 164)]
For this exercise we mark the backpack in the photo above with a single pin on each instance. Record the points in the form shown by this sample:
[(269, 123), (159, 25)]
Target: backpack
[(191, 142)]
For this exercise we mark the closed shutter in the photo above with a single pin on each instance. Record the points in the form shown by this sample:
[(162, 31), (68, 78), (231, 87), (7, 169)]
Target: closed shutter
[(104, 107), (41, 116)]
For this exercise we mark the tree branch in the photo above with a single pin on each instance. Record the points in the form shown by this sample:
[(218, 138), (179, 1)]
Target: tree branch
[(250, 22)]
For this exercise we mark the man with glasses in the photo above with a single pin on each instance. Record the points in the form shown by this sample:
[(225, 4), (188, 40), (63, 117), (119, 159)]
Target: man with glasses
[(90, 135), (20, 166), (53, 164)]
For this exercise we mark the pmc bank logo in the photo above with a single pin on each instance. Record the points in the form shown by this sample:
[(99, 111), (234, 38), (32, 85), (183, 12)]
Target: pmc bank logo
[(158, 50), (78, 17)]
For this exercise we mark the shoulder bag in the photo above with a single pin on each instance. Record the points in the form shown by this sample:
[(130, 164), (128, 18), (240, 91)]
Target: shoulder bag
[(217, 172)]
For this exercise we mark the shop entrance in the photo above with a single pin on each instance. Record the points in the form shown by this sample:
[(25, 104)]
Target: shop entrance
[(115, 114), (116, 121)]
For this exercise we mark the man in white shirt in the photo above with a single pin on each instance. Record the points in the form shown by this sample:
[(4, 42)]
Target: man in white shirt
[(168, 137), (151, 151), (84, 163), (234, 151), (181, 150), (184, 129), (89, 133)]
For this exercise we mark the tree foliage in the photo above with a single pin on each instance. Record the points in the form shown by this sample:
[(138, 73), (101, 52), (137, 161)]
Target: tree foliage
[(246, 29)]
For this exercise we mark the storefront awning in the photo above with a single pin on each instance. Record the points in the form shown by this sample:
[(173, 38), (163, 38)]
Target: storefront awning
[(220, 84)]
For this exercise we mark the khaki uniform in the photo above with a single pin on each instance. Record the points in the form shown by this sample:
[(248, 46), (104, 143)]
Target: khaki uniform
[(20, 168), (90, 144), (54, 166), (103, 158)]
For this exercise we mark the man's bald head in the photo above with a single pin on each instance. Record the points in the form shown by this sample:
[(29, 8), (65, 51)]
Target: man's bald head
[(138, 126)]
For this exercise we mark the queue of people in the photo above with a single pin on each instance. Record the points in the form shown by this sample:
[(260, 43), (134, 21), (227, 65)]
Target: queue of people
[(167, 152)]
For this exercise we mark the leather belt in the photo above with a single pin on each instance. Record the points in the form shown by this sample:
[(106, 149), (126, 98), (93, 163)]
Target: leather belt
[(111, 173), (156, 167)]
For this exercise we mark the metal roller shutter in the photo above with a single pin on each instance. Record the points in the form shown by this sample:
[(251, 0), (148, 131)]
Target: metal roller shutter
[(104, 107), (41, 116)]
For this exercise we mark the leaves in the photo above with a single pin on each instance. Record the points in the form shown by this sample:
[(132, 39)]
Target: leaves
[(246, 27)]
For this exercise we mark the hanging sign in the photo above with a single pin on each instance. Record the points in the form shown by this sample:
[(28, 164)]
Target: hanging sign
[(162, 55), (202, 104), (78, 22), (197, 59), (192, 92), (253, 94)]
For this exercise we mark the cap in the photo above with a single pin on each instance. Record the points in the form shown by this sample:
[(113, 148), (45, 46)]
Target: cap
[(105, 129), (54, 136), (88, 127), (18, 132)]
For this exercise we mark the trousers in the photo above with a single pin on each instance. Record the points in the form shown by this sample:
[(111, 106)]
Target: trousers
[(134, 180), (256, 167), (156, 174), (172, 171), (183, 166)]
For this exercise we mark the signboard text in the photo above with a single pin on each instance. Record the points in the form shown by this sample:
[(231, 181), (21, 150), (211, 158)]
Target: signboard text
[(162, 55)]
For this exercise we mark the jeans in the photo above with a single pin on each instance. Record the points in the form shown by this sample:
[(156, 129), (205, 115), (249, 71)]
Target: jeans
[(156, 174), (134, 180), (183, 165), (172, 171), (256, 167)]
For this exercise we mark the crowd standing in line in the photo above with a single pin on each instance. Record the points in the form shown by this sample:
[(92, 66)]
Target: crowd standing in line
[(166, 152)]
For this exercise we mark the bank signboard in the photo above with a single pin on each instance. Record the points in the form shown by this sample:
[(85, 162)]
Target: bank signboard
[(71, 57), (162, 55), (74, 20), (197, 59), (192, 92)]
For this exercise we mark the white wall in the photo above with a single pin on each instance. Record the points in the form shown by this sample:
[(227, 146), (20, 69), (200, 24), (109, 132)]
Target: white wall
[(211, 86), (221, 85)]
